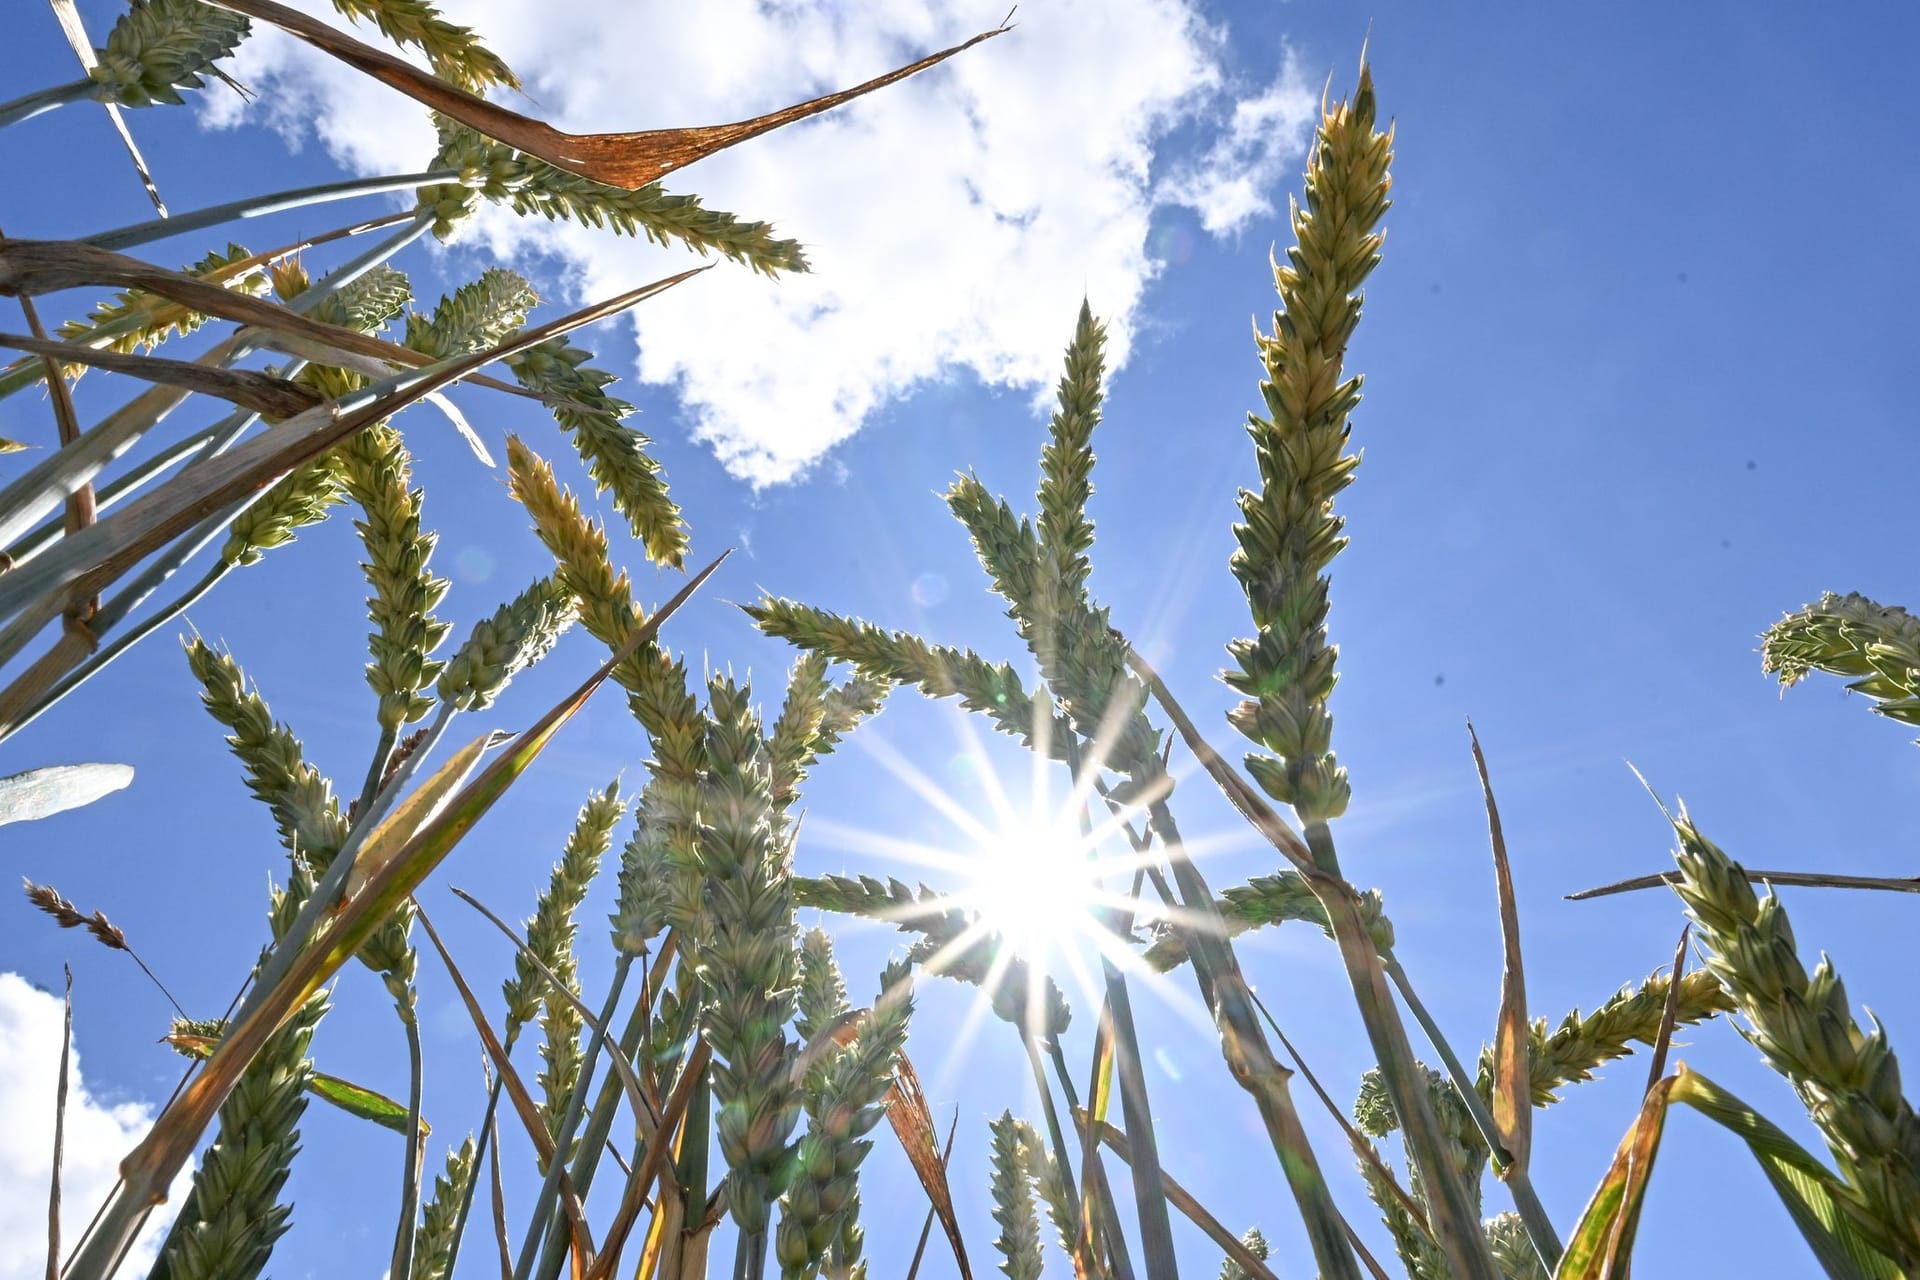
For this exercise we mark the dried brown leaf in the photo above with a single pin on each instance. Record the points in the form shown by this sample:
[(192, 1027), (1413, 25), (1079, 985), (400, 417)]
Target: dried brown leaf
[(629, 160)]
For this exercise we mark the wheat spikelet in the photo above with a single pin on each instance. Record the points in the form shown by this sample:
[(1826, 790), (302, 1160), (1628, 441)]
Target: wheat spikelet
[(645, 871), (550, 936), (898, 657), (655, 682), (615, 454), (475, 316), (1290, 533), (1256, 1245), (1579, 1044), (1078, 652), (1066, 464), (232, 1216), (1019, 1238), (844, 1095), (1044, 1170), (454, 52), (159, 47), (298, 500), (433, 1239), (1266, 900), (745, 958), (1803, 1026), (1512, 1250), (519, 634), (304, 810), (1850, 635), (813, 719), (367, 303), (376, 469)]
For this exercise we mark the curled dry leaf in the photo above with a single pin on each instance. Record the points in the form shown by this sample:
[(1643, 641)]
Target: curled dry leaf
[(629, 160), (913, 1124)]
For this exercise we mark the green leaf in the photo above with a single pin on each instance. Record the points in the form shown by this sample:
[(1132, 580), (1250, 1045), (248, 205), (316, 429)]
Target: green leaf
[(38, 793), (1812, 1194), (356, 1100)]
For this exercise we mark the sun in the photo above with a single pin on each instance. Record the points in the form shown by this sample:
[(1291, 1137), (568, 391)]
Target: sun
[(1036, 886)]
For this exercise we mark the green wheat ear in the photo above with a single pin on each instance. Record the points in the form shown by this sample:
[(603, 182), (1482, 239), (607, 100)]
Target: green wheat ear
[(1512, 1250), (615, 454), (519, 634), (1580, 1044), (493, 171), (1256, 1245), (433, 1241), (1802, 1024), (550, 937), (1019, 1238), (844, 1098), (160, 47), (302, 802), (1850, 635), (1289, 534), (454, 52), (378, 469), (475, 316), (745, 958)]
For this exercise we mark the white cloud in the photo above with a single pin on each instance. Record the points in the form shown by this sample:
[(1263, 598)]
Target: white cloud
[(954, 221), (1232, 184), (98, 1134)]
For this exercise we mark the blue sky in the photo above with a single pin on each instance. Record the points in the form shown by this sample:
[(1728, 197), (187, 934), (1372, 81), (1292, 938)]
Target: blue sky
[(1635, 360)]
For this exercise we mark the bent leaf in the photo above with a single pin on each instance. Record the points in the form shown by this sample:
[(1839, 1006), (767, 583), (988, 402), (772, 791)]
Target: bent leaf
[(38, 793), (1812, 1195), (355, 1100), (1512, 1065)]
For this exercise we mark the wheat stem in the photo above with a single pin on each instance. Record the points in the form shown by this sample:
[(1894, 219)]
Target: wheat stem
[(29, 105), (404, 1239), (180, 224), (545, 1225)]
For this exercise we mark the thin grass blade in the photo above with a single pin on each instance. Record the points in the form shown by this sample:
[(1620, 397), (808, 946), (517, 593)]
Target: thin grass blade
[(1796, 879), (1669, 1012)]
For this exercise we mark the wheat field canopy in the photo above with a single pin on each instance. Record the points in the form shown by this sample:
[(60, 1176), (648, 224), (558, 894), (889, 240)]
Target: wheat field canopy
[(875, 641)]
